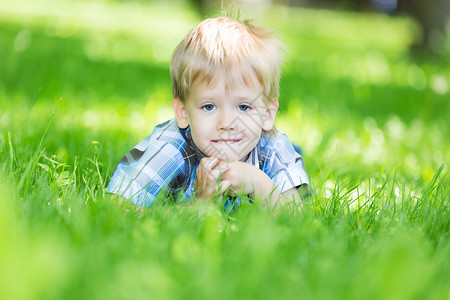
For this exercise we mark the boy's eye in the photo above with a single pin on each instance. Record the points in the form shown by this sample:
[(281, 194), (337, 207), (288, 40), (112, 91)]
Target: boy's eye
[(244, 107), (208, 107)]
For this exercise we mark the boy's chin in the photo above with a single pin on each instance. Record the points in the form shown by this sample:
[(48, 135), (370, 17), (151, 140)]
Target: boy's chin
[(229, 156), (235, 152)]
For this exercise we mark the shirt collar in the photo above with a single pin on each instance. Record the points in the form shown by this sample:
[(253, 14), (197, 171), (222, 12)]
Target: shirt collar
[(188, 137)]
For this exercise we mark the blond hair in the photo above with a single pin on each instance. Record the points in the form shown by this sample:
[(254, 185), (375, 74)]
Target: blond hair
[(226, 43)]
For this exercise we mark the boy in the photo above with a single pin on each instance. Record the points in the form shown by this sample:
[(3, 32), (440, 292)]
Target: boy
[(225, 76)]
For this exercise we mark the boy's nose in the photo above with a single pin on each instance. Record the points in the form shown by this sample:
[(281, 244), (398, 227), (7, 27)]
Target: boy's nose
[(226, 121)]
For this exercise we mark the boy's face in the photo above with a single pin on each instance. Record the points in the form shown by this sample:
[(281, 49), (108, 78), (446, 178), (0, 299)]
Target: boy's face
[(226, 121)]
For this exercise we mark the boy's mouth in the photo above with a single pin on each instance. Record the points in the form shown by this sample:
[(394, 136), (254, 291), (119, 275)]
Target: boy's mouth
[(226, 141)]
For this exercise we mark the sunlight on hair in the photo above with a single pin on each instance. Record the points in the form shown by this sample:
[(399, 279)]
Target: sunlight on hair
[(222, 44)]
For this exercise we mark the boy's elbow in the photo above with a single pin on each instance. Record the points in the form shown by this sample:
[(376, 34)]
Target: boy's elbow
[(296, 195)]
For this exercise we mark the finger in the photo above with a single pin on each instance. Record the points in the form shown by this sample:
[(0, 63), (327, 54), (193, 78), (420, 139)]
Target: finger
[(211, 162), (206, 191), (212, 191), (207, 164), (214, 176), (200, 181), (224, 185), (223, 165), (218, 171), (204, 167)]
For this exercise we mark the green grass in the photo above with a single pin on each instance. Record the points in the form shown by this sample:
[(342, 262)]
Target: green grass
[(81, 83)]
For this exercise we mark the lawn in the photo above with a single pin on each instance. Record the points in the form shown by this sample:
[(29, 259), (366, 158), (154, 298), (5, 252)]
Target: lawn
[(82, 82)]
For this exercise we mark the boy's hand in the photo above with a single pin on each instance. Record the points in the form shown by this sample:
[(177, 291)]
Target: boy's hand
[(243, 178), (215, 177), (209, 175)]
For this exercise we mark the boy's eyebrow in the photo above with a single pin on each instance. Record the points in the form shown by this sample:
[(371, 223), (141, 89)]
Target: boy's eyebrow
[(245, 98), (206, 98), (238, 98), (250, 98)]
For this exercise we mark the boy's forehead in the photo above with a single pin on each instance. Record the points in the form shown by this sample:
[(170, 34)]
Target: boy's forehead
[(232, 77)]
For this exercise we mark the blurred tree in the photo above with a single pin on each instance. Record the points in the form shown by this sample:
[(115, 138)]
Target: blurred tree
[(431, 15)]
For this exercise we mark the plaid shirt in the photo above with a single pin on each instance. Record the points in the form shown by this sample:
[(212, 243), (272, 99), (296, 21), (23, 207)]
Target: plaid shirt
[(167, 160)]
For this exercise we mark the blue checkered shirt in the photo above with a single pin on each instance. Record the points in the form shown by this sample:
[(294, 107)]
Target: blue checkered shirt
[(167, 160)]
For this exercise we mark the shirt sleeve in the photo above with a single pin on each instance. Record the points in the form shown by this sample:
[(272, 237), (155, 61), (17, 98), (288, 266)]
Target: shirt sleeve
[(286, 169), (143, 173)]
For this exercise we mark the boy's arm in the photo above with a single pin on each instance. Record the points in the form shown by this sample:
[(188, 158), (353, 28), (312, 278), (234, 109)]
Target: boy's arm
[(143, 173), (294, 196)]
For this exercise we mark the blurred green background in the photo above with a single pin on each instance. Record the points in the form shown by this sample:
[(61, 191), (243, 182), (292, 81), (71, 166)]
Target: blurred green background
[(351, 87), (82, 82)]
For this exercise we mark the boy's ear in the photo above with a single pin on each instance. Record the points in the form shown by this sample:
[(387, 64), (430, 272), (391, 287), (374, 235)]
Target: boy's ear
[(269, 117), (180, 113)]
